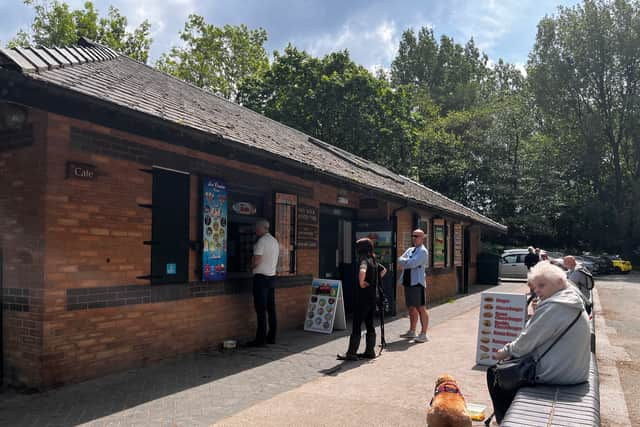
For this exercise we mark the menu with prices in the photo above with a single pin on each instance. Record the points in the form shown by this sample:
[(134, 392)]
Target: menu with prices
[(502, 318), (326, 307)]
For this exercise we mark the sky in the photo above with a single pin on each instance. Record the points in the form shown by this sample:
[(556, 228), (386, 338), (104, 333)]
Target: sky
[(370, 30)]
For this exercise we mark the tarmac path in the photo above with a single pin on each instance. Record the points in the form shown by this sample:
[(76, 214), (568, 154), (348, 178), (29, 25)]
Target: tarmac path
[(618, 349)]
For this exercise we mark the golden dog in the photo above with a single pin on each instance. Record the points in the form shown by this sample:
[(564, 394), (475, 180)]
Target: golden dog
[(448, 408)]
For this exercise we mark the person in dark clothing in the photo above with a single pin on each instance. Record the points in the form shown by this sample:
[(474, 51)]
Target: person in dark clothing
[(370, 275), (531, 258)]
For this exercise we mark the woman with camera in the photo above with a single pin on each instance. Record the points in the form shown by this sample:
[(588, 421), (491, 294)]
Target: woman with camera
[(369, 277)]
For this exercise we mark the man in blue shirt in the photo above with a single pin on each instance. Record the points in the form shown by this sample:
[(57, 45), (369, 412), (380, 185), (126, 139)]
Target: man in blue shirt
[(413, 264)]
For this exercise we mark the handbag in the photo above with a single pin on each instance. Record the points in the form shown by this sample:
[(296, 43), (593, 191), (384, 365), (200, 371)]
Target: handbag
[(512, 374)]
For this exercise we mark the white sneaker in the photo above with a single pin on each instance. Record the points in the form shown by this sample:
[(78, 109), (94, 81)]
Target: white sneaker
[(408, 334), (421, 338)]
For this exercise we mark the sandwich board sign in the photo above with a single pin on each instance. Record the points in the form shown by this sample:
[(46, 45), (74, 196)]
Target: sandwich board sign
[(502, 318), (325, 309)]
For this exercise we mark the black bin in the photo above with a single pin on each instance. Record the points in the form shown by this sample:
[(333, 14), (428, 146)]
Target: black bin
[(488, 268)]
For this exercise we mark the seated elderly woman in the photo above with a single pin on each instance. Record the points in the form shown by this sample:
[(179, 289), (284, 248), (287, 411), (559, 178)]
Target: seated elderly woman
[(567, 362)]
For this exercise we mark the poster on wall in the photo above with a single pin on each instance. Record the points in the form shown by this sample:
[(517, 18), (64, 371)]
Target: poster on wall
[(457, 245), (214, 229), (325, 309), (438, 243), (382, 244), (502, 318)]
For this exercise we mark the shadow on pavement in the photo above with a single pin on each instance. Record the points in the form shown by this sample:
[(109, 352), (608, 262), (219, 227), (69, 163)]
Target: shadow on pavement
[(235, 379)]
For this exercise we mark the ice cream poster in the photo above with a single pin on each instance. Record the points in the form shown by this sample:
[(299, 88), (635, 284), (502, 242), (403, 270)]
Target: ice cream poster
[(325, 307), (214, 229), (438, 243)]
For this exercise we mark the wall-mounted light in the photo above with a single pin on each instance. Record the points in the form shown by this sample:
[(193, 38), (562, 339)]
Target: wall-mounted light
[(12, 116)]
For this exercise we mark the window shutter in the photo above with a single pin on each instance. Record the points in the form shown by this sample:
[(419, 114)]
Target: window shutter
[(286, 214)]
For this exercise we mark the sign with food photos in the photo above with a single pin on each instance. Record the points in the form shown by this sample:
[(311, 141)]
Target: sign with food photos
[(502, 318), (214, 229), (325, 309)]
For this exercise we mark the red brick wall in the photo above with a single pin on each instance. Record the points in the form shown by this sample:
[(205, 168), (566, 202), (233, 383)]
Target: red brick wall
[(95, 231), (22, 199)]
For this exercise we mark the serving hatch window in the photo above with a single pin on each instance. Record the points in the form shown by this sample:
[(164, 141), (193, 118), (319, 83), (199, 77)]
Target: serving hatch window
[(244, 211)]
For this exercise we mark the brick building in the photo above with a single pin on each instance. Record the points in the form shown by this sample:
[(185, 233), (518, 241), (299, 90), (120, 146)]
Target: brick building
[(127, 203)]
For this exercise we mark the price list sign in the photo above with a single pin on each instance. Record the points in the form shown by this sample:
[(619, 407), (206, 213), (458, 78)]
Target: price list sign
[(502, 318)]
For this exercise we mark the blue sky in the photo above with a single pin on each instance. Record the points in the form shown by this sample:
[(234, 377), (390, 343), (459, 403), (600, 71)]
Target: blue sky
[(369, 29)]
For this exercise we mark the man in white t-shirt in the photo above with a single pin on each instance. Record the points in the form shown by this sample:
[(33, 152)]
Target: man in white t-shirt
[(264, 263)]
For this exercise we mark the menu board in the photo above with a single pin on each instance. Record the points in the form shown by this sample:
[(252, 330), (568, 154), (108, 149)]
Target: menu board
[(502, 318), (307, 227), (438, 243), (326, 307), (457, 245), (214, 229)]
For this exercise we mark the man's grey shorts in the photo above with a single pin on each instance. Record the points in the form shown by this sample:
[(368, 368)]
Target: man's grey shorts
[(414, 296)]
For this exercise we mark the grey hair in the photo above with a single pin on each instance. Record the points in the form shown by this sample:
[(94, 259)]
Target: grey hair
[(550, 273), (263, 223), (530, 249)]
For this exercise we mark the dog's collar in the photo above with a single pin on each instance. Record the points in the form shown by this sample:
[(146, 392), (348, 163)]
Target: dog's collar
[(447, 387)]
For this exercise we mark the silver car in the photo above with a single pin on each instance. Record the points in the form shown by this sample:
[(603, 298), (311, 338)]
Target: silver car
[(512, 264)]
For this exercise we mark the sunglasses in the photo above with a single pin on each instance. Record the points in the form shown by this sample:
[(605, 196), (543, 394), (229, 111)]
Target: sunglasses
[(416, 235)]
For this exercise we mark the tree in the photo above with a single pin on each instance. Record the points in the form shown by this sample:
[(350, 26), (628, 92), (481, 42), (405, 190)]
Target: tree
[(336, 101), (55, 24), (451, 73), (585, 71), (217, 59)]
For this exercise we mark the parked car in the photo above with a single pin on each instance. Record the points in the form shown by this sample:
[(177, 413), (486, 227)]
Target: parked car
[(556, 258), (620, 265), (603, 264), (512, 264), (586, 262)]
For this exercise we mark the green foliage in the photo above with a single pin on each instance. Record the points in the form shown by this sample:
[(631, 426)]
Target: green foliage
[(553, 154), (584, 71), (217, 59), (337, 101), (55, 24)]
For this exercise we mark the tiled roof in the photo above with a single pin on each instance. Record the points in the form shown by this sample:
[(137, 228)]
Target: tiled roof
[(102, 73)]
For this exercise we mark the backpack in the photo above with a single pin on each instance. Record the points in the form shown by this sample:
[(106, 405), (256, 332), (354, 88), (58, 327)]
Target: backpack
[(590, 281), (590, 285)]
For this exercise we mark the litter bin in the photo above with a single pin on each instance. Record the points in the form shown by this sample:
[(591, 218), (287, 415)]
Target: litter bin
[(488, 268)]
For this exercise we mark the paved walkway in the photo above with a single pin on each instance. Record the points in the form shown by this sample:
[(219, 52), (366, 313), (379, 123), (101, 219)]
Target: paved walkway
[(298, 382)]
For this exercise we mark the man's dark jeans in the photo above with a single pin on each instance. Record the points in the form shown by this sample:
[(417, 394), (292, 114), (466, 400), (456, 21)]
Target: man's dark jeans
[(264, 301)]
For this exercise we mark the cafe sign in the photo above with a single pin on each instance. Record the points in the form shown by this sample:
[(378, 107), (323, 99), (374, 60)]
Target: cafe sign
[(81, 171)]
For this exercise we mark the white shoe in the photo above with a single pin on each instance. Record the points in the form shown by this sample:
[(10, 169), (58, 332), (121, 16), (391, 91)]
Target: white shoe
[(408, 334), (421, 338)]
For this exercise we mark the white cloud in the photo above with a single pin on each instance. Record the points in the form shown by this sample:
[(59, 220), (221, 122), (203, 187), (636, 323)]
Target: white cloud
[(487, 22), (372, 46)]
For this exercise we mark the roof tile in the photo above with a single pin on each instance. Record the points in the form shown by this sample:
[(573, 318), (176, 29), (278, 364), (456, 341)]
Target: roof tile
[(138, 87)]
